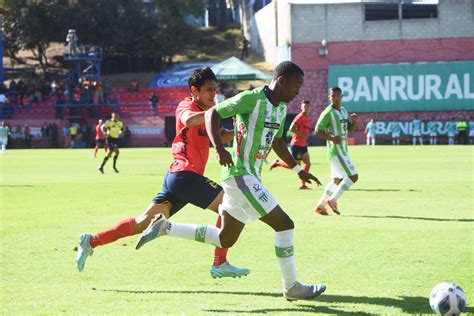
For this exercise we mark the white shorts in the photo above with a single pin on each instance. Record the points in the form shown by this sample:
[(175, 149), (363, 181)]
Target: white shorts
[(246, 198), (450, 135), (4, 140), (342, 167), (471, 133), (370, 135), (433, 134), (395, 135), (416, 133)]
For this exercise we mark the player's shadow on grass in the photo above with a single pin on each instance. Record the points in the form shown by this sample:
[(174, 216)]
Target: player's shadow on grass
[(416, 218), (406, 304)]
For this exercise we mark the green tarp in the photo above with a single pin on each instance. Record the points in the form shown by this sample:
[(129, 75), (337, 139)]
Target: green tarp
[(235, 69)]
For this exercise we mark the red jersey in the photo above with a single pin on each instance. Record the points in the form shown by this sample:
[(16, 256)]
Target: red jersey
[(302, 124), (98, 133), (190, 149)]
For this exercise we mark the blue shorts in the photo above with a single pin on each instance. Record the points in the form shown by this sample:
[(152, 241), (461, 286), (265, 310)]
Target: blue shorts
[(298, 151), (183, 187)]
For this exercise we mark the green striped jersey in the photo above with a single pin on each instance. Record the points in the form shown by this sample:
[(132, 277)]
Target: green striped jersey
[(4, 131), (334, 122), (257, 123)]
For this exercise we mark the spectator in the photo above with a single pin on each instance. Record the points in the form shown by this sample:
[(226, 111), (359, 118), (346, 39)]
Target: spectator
[(127, 135), (471, 130), (433, 130), (45, 134), (451, 127), (66, 135), (153, 100), (4, 107), (27, 137), (462, 132), (71, 40), (53, 132), (416, 129), (73, 131), (395, 128), (99, 91), (370, 131), (134, 86), (245, 48)]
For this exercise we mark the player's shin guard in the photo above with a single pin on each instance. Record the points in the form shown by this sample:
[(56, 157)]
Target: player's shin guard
[(330, 188), (286, 259), (345, 184), (123, 229), (203, 233), (220, 254)]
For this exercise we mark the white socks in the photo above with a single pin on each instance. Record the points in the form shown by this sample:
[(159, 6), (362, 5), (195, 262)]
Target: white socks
[(204, 233), (345, 184), (286, 259), (330, 188)]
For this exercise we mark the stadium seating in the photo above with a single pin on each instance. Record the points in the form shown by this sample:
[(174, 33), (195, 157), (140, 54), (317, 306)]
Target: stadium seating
[(130, 104)]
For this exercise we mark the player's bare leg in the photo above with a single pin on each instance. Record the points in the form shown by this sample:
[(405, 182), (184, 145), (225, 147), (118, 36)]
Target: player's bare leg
[(127, 227)]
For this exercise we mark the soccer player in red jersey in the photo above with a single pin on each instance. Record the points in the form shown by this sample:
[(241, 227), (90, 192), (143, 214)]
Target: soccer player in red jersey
[(184, 182), (99, 138), (300, 127)]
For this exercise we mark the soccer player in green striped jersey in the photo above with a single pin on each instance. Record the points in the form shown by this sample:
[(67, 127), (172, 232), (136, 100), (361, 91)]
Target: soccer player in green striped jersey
[(260, 115), (333, 125)]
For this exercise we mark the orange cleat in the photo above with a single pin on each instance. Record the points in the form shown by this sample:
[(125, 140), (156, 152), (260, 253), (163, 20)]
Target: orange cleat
[(333, 205), (321, 211), (274, 164)]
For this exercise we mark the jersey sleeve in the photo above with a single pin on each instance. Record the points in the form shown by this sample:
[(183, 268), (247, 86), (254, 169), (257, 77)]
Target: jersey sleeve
[(182, 107), (242, 103), (323, 121)]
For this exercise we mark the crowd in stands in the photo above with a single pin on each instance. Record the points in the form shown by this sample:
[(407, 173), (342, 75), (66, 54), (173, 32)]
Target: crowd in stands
[(27, 93)]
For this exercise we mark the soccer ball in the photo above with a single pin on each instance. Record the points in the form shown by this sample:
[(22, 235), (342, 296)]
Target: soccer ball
[(447, 298)]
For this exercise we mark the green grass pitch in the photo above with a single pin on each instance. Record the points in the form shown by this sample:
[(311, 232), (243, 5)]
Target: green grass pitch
[(405, 226)]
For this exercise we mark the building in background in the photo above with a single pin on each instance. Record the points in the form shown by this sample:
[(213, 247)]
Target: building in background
[(390, 57)]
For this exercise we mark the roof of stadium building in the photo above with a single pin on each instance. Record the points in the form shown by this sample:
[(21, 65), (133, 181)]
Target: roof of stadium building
[(359, 1)]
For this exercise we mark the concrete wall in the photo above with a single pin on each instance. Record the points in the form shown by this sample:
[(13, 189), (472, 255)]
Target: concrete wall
[(267, 36), (346, 22)]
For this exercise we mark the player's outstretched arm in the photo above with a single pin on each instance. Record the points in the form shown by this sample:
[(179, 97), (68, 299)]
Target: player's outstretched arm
[(190, 118), (280, 148), (212, 120)]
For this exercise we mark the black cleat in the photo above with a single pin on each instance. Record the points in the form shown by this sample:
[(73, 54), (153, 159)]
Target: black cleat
[(101, 170), (115, 169)]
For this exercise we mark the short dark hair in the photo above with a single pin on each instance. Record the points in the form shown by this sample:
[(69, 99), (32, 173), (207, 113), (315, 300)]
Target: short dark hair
[(287, 68), (199, 77), (334, 89), (306, 102)]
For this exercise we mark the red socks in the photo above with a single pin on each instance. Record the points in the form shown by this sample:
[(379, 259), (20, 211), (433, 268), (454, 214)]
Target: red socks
[(220, 254), (123, 229), (305, 168)]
